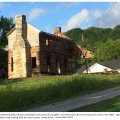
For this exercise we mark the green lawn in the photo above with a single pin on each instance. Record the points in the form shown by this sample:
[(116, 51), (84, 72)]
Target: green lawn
[(112, 105), (20, 94)]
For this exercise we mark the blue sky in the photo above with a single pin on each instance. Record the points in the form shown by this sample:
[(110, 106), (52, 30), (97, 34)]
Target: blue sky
[(47, 15)]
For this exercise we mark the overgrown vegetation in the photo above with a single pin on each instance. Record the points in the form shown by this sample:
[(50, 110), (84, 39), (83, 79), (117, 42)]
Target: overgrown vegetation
[(5, 26), (112, 105), (100, 41), (108, 50), (16, 95)]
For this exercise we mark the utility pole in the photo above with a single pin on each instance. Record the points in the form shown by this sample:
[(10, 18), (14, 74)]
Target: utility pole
[(82, 38), (86, 66)]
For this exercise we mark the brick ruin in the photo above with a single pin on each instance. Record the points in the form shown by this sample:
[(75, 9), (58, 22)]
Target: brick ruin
[(34, 52)]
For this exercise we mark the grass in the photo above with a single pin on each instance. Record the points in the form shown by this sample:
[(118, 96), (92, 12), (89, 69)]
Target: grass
[(20, 94), (112, 105)]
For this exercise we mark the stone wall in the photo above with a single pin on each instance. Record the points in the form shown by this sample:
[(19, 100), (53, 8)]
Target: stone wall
[(10, 69), (35, 52), (21, 50), (23, 44), (32, 52), (58, 51), (11, 39), (32, 35)]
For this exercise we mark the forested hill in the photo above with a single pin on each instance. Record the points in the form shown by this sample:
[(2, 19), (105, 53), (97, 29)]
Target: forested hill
[(103, 42)]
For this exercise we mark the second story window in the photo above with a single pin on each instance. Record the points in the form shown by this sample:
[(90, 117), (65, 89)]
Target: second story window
[(46, 42)]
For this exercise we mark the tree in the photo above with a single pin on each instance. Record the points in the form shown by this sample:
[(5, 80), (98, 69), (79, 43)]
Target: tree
[(93, 36), (102, 42), (3, 56), (108, 50), (6, 25), (75, 34), (115, 33)]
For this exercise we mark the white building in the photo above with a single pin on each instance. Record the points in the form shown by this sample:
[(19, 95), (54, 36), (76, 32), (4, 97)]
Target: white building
[(101, 67)]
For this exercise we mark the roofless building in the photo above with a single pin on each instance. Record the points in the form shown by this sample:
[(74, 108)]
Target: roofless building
[(33, 52)]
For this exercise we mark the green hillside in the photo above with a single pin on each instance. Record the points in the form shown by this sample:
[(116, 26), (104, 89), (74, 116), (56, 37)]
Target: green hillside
[(100, 41)]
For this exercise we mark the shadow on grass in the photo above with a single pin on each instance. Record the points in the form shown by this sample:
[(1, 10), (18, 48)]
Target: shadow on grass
[(13, 98)]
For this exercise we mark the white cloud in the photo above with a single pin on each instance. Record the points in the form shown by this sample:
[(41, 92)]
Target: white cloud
[(35, 13), (110, 18), (76, 20), (96, 13)]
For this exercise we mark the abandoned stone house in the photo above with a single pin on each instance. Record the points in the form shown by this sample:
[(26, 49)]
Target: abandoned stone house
[(33, 52)]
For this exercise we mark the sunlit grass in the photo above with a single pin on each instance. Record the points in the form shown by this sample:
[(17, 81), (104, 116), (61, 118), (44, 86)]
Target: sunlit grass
[(112, 105), (19, 94)]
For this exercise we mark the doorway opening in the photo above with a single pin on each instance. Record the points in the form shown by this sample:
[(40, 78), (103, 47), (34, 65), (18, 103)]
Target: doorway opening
[(58, 66), (34, 62)]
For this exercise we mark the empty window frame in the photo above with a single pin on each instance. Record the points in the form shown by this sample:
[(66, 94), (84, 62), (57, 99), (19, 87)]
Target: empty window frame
[(48, 64), (34, 62), (58, 66), (12, 64), (46, 42), (65, 63)]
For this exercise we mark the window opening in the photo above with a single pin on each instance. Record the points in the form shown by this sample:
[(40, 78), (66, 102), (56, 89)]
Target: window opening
[(34, 62), (12, 64), (48, 64), (58, 66), (65, 62), (46, 42)]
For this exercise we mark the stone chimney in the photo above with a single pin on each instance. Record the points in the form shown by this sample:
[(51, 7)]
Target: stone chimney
[(21, 30), (21, 49), (57, 30)]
